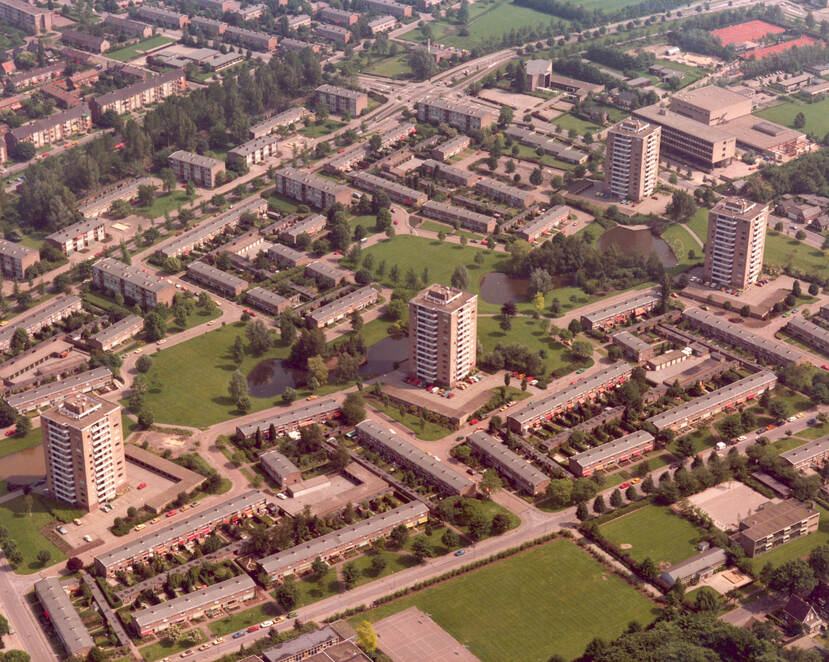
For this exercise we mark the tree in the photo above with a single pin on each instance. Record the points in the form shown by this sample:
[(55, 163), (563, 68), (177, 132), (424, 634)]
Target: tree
[(581, 512), (154, 327), (616, 498), (288, 395), (500, 524), (317, 370), (399, 535), (340, 457), (259, 337), (421, 547), (681, 207), (319, 568), (799, 121), (353, 408), (43, 557), (490, 482), (631, 494), (287, 594), (144, 363), (685, 447), (450, 538), (599, 504), (460, 278), (366, 637), (237, 387), (581, 349), (421, 63), (536, 178), (74, 564), (794, 577), (23, 427), (505, 116)]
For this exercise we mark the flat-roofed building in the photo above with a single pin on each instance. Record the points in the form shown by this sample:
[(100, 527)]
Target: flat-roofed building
[(141, 94), (209, 27), (518, 471), (285, 118), (330, 547), (310, 225), (310, 646), (183, 532), (78, 236), (341, 99), (164, 17), (15, 259), (713, 402), (65, 620), (736, 242), (459, 114), (812, 454), (456, 176), (809, 332), (218, 6), (83, 234), (546, 144), (116, 333), (129, 26), (382, 439), (252, 39), (396, 9), (326, 275), (383, 23), (397, 192), (36, 76), (621, 312), (706, 147), (577, 89), (285, 256), (227, 594), (196, 168), (541, 225), (632, 159), (85, 41), (584, 390), (338, 16), (451, 147), (339, 309), (633, 347), (54, 393), (289, 45), (467, 219), (304, 186), (84, 448), (55, 311), (668, 359), (767, 349), (443, 334), (255, 151), (267, 301), (132, 282), (699, 566), (216, 279), (62, 98), (297, 416), (537, 73), (280, 468), (504, 193), (51, 129), (766, 138), (775, 525), (710, 105), (613, 452), (26, 16), (335, 33), (298, 21)]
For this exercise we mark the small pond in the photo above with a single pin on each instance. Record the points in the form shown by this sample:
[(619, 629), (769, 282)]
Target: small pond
[(498, 288), (23, 467), (630, 239), (269, 378), (382, 356)]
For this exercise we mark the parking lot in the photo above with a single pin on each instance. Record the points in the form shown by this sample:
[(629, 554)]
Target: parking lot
[(728, 503)]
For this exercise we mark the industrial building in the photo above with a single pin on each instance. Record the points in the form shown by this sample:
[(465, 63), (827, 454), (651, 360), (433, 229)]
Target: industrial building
[(625, 448), (621, 312), (518, 471), (775, 525)]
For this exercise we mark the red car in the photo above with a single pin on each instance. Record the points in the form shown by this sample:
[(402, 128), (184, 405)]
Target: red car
[(624, 485), (825, 366), (171, 513), (9, 433), (253, 628), (141, 486)]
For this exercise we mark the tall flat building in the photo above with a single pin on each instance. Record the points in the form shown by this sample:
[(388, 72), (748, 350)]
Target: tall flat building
[(632, 163), (443, 334), (84, 447), (736, 239)]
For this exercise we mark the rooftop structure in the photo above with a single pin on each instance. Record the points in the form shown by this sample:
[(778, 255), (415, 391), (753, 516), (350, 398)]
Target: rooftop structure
[(811, 454), (341, 308), (513, 466), (610, 316), (64, 618), (612, 452), (294, 417)]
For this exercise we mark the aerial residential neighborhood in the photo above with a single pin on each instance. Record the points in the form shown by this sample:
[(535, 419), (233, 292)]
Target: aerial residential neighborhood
[(414, 331)]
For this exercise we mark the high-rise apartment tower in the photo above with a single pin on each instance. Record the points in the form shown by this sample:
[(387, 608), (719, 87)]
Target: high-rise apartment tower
[(735, 244), (632, 161)]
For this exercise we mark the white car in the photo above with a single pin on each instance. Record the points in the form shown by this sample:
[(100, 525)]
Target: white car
[(281, 495), (87, 538), (792, 419)]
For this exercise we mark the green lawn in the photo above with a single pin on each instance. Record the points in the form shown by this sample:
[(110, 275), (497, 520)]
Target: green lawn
[(653, 532), (164, 203), (816, 114), (552, 599), (25, 530), (427, 431), (702, 439), (783, 251), (572, 123), (323, 129), (787, 443), (681, 241), (279, 203), (245, 618), (166, 648), (131, 52), (11, 445), (392, 67), (798, 547), (699, 223), (435, 226)]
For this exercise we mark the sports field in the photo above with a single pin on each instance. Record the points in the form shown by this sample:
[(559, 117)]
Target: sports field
[(653, 532), (552, 599), (816, 114)]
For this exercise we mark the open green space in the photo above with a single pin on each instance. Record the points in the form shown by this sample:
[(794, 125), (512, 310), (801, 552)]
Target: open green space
[(681, 241), (281, 204), (24, 528), (436, 226), (814, 432), (164, 203), (692, 74), (798, 547), (529, 154), (391, 67), (421, 428), (702, 439), (787, 443), (699, 223), (816, 114), (315, 130), (552, 599), (245, 618), (131, 52), (572, 123), (10, 445), (785, 251), (653, 532), (166, 648)]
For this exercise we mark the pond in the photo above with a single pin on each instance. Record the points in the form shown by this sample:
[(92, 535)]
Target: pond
[(630, 239), (23, 467), (498, 288), (269, 378), (382, 356)]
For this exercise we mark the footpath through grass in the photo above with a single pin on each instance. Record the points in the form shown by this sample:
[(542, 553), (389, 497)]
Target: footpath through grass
[(552, 599)]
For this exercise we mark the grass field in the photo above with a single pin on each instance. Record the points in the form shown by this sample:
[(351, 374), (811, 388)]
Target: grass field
[(572, 123), (163, 203), (816, 114), (323, 129), (11, 445), (653, 532), (166, 648), (428, 431), (245, 618), (699, 223), (681, 241), (798, 547), (131, 52), (393, 67), (552, 599), (783, 251), (25, 531)]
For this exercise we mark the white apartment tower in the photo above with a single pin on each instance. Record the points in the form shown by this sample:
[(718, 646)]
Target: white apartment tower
[(443, 334), (632, 161), (736, 241)]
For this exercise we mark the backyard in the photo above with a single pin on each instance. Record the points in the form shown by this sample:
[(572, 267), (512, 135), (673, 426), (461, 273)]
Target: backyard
[(552, 599)]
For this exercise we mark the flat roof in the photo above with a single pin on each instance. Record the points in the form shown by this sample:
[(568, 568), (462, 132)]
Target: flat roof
[(808, 327), (668, 118), (774, 517), (631, 341), (311, 180), (349, 300), (550, 217), (47, 391), (462, 107), (326, 270), (217, 593), (709, 558), (180, 529), (460, 140), (278, 463), (217, 275), (302, 644), (195, 159), (442, 297), (341, 91), (759, 133), (456, 212), (503, 456), (80, 410), (540, 407), (715, 398), (288, 116), (132, 274), (610, 449), (66, 621), (368, 180), (281, 419), (807, 452), (622, 307), (308, 225), (490, 185), (393, 442), (121, 326), (710, 97), (250, 146), (260, 294), (15, 250), (350, 534), (281, 250)]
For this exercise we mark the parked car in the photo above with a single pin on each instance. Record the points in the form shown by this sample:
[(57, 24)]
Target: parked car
[(87, 538), (460, 552), (241, 633), (141, 486)]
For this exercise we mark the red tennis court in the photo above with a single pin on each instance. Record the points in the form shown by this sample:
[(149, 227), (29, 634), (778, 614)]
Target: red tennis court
[(749, 31)]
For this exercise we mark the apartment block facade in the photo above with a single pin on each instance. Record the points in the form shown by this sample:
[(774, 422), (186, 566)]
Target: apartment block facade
[(191, 167), (309, 188), (735, 244), (443, 334), (53, 128), (78, 236), (16, 258), (632, 159), (341, 99), (84, 447), (132, 282), (140, 94), (25, 16), (775, 524), (461, 115)]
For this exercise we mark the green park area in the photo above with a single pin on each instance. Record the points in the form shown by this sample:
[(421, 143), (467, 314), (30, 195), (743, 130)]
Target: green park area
[(552, 599), (681, 242), (164, 203), (798, 547), (131, 52), (317, 129), (166, 648), (699, 223), (653, 532), (785, 251), (816, 114), (243, 619), (575, 124), (396, 66), (10, 445)]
